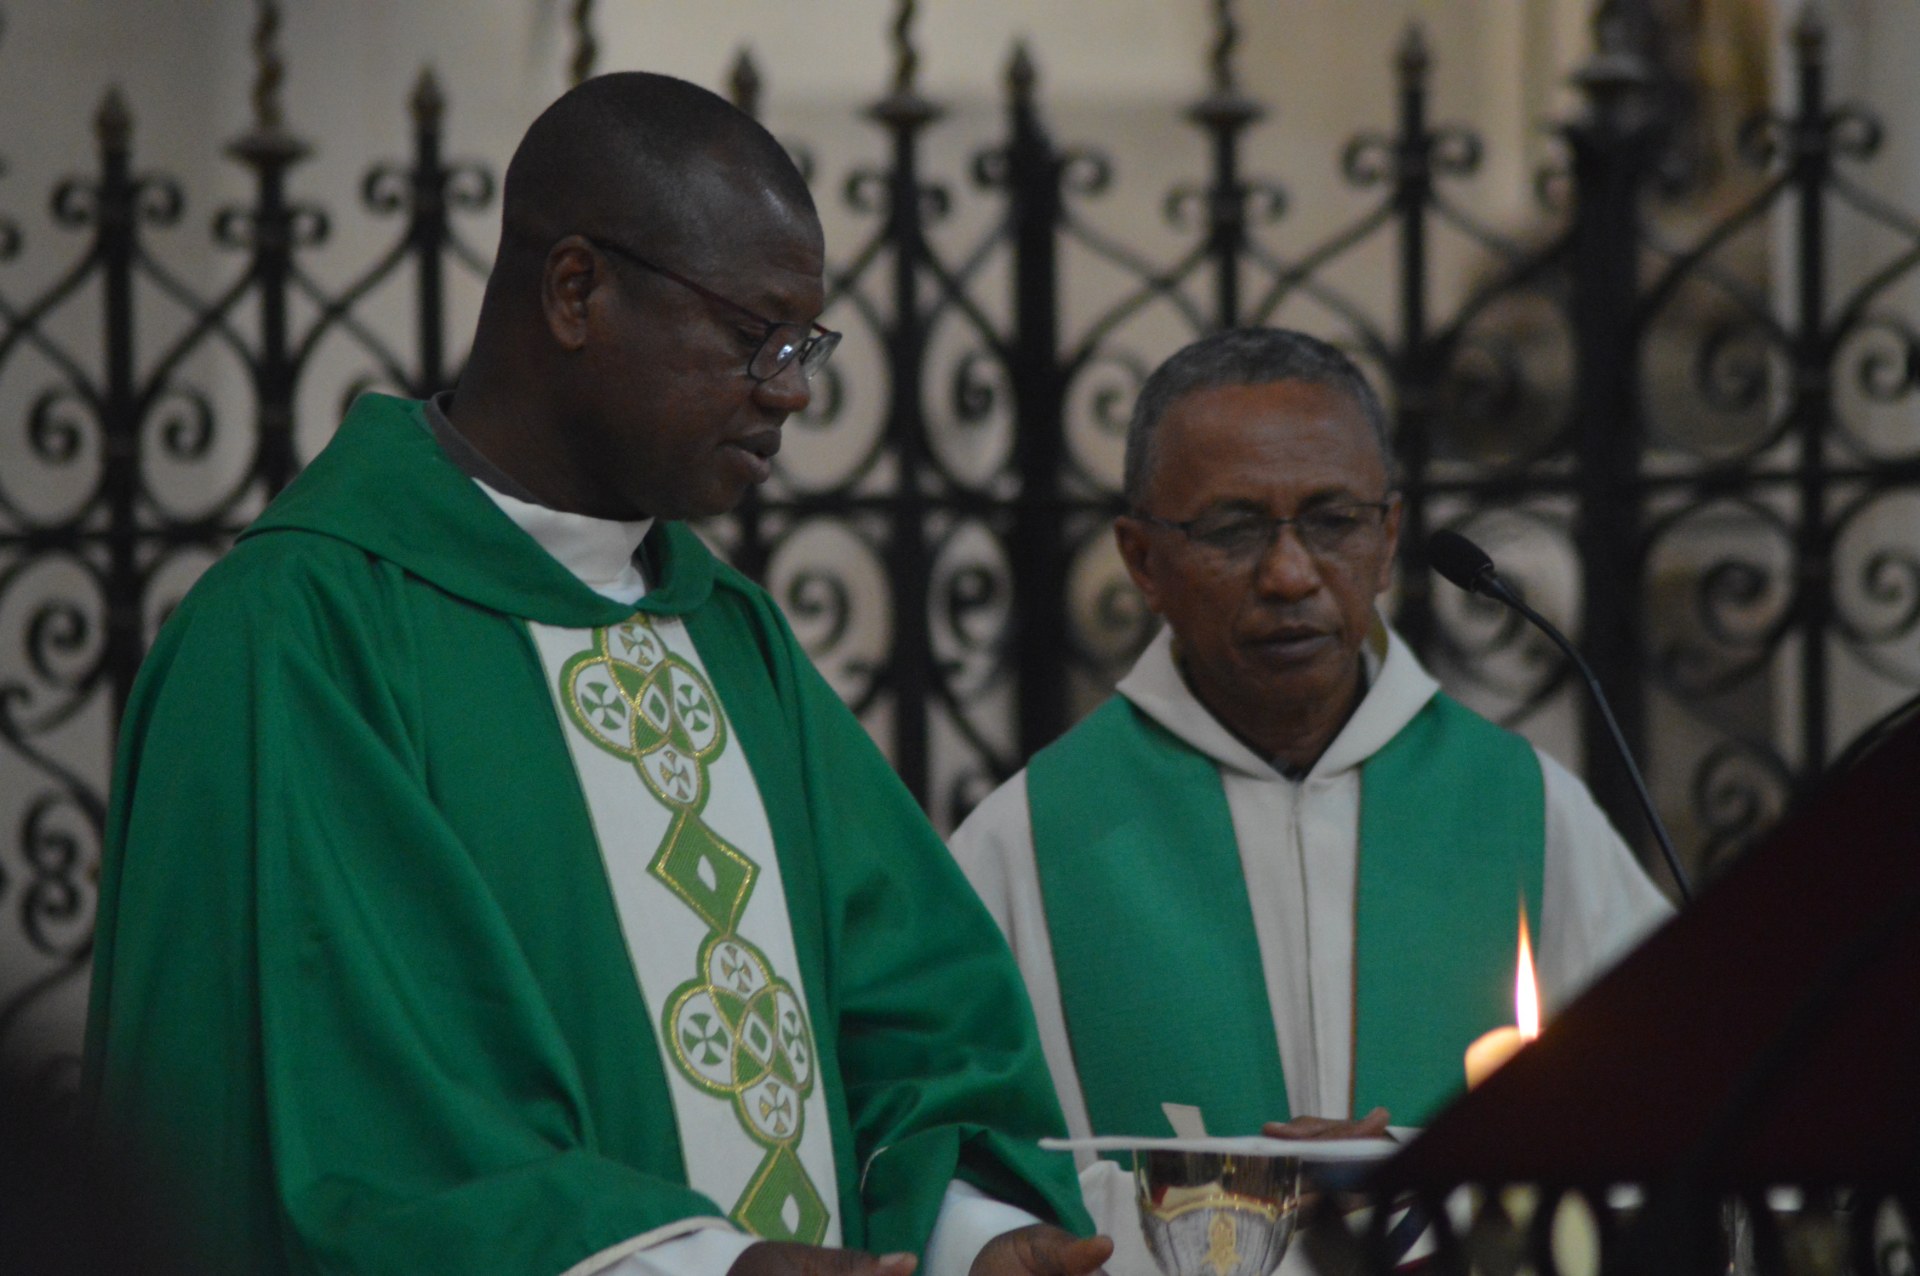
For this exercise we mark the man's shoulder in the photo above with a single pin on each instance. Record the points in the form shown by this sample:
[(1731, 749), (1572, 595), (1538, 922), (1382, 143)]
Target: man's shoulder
[(1003, 816), (270, 566), (1000, 820), (284, 582), (1118, 743), (1464, 717), (1113, 718)]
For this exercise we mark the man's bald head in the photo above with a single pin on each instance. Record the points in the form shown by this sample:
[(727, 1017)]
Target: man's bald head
[(650, 160), (655, 239)]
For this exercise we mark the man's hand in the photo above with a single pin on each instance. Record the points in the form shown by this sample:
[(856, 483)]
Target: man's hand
[(1041, 1250), (1371, 1126), (789, 1258)]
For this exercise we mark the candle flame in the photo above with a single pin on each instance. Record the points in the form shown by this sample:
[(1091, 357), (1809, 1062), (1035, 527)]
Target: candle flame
[(1526, 992)]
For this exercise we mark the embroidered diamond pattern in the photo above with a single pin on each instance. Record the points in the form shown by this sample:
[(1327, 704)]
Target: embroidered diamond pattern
[(781, 1203), (756, 1038), (690, 843), (736, 1030)]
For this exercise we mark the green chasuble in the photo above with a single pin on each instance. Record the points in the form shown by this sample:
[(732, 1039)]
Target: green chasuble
[(360, 986), (1160, 973)]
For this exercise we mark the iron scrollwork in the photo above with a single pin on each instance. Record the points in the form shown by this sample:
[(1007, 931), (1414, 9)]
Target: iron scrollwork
[(1609, 390), (144, 476)]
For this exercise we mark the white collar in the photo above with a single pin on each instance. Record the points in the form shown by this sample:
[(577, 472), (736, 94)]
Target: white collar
[(1397, 688), (600, 551)]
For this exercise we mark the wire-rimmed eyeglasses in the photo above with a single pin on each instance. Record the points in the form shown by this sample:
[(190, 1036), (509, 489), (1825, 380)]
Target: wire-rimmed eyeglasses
[(1245, 536), (781, 344)]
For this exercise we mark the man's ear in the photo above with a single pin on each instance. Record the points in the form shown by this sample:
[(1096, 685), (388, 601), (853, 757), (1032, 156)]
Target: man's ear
[(573, 270), (1135, 541)]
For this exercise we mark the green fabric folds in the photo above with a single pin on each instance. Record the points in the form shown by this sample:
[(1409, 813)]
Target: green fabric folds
[(1152, 931), (1452, 839), (360, 983), (1152, 934)]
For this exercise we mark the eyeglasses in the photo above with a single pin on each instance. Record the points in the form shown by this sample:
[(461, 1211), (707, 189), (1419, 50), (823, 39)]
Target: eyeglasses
[(1242, 537), (780, 344)]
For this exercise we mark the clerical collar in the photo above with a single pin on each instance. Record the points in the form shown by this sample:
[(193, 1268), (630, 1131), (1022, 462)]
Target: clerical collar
[(601, 552), (467, 458)]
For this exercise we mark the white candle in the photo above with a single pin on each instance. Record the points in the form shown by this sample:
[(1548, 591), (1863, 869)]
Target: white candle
[(1491, 1050)]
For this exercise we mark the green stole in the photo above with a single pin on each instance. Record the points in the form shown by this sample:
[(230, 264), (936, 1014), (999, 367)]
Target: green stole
[(1153, 940)]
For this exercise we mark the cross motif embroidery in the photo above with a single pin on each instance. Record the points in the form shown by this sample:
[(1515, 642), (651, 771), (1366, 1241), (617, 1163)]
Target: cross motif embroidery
[(736, 1030)]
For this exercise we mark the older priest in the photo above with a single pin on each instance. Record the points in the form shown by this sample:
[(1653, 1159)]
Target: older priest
[(1278, 874), (492, 885)]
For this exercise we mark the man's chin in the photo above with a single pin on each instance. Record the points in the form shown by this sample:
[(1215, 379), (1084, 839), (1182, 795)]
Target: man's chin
[(721, 498), (1293, 681), (1284, 657)]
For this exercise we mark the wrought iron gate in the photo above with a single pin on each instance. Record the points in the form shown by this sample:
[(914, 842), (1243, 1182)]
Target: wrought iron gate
[(1716, 476)]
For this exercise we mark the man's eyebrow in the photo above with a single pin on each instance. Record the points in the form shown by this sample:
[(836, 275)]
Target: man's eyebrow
[(1334, 496), (1240, 506), (1318, 500)]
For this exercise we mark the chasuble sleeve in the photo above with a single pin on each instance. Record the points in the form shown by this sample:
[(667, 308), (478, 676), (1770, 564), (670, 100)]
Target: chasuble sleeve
[(307, 999), (940, 1059)]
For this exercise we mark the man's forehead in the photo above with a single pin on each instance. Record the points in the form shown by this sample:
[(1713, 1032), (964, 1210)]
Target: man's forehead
[(1292, 420), (731, 201), (770, 250)]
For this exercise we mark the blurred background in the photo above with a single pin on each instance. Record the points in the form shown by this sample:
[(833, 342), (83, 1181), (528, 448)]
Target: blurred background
[(1635, 278)]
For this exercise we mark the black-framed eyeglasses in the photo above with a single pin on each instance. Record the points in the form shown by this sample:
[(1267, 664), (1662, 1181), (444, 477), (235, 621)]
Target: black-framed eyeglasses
[(781, 344), (1245, 536)]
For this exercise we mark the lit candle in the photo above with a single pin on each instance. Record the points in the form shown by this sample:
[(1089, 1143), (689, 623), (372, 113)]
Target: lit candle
[(1494, 1048)]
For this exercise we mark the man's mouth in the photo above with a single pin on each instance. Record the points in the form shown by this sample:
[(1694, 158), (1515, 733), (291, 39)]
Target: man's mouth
[(1290, 642), (757, 451), (764, 444)]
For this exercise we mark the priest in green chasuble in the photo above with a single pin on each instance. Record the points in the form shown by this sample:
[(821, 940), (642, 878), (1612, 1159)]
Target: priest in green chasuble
[(492, 885), (1278, 875)]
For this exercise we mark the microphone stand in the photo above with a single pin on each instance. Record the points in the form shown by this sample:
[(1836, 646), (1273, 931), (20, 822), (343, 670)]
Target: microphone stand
[(1490, 581)]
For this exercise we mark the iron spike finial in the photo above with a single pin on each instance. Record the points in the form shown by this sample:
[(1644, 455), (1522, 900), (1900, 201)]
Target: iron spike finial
[(903, 107), (1416, 55), (113, 122), (1810, 29), (1225, 43), (1023, 75), (586, 46), (428, 103), (745, 82), (906, 65), (270, 69), (268, 144), (1225, 109), (1618, 67)]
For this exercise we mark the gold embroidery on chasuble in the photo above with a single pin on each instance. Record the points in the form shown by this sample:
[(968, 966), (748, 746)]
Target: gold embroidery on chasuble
[(736, 1029)]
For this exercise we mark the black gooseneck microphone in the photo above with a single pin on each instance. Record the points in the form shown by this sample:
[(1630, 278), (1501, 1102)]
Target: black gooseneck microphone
[(1468, 566)]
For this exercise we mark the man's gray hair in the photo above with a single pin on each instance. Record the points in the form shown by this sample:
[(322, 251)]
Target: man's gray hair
[(1242, 356)]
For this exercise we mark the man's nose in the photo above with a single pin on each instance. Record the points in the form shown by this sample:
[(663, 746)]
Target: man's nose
[(1287, 570), (786, 391)]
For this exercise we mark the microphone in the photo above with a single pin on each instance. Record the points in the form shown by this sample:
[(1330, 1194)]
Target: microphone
[(1468, 566)]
